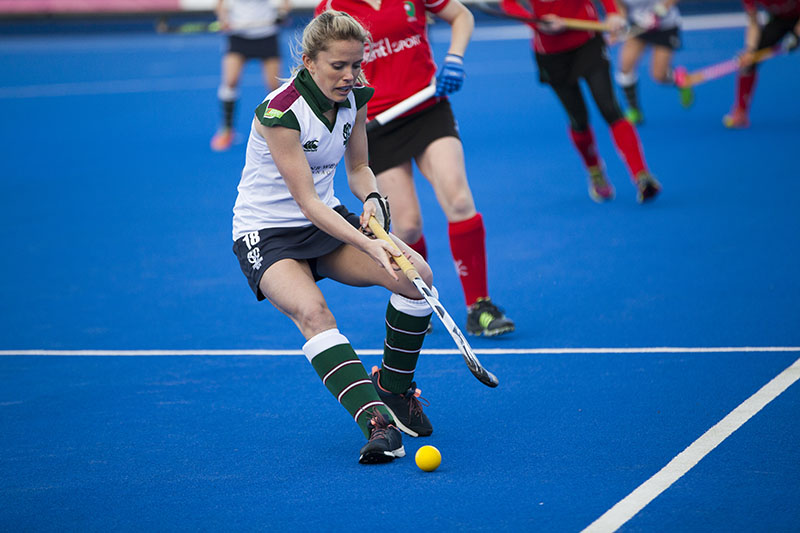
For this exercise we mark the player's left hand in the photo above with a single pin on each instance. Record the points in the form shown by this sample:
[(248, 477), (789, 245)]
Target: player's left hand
[(376, 206), (451, 75)]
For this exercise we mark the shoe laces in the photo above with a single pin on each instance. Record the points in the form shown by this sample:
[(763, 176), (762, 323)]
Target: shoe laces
[(413, 395), (415, 400), (379, 425), (485, 305)]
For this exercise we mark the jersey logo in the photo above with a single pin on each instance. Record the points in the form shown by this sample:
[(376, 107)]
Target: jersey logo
[(346, 131), (272, 113), (311, 146), (411, 10)]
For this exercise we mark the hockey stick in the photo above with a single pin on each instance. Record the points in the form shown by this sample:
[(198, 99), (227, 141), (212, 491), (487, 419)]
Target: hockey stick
[(208, 27), (684, 79), (401, 107), (571, 24), (483, 375)]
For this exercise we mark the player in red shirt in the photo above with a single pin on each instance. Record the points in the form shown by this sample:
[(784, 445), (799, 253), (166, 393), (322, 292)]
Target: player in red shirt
[(399, 63), (564, 57), (783, 23)]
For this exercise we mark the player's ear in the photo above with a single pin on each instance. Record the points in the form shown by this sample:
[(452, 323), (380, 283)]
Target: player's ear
[(307, 62)]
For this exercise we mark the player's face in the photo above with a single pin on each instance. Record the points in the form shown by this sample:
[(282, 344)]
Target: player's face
[(335, 70)]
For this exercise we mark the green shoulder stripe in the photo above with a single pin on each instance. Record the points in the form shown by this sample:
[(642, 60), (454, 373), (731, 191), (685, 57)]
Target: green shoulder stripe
[(272, 117), (362, 95)]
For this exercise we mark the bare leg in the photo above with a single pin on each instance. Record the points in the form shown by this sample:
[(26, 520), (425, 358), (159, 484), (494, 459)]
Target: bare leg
[(398, 185), (271, 70), (442, 164)]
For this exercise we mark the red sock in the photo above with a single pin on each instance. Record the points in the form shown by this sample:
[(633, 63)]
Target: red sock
[(420, 247), (627, 142), (745, 84), (468, 245), (584, 142)]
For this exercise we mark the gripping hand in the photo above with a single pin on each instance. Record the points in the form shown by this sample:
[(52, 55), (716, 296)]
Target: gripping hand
[(382, 214), (451, 75)]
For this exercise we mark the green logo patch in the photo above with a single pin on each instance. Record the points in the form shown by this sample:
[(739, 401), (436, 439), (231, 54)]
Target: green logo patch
[(272, 113)]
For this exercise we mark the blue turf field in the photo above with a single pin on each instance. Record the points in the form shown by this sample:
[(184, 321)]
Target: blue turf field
[(115, 225)]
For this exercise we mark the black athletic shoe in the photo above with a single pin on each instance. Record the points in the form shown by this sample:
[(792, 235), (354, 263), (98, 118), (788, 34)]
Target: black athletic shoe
[(385, 442), (405, 408), (647, 187), (485, 318)]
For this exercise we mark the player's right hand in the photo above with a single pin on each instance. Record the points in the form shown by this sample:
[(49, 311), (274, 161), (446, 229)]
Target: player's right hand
[(381, 252), (551, 24)]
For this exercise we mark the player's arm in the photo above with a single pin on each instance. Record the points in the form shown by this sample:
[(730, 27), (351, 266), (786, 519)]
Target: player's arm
[(359, 176), (287, 152), (451, 75), (222, 15), (461, 24)]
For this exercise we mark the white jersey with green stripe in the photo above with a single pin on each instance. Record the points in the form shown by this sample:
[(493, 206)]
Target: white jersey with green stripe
[(264, 200)]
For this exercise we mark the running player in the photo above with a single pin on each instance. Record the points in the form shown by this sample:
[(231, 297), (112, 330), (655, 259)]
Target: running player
[(290, 230), (660, 20), (783, 23), (252, 28), (566, 56), (399, 63)]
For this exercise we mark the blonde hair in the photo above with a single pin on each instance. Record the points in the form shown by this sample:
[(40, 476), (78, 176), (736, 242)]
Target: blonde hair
[(331, 26)]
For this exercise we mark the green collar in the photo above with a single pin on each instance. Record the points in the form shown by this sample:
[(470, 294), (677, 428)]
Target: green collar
[(318, 102)]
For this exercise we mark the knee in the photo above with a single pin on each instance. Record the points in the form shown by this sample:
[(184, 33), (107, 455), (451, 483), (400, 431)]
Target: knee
[(660, 75), (461, 205), (407, 228), (314, 318)]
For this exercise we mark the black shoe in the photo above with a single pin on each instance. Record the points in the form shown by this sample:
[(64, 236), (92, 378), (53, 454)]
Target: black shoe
[(647, 187), (485, 318), (405, 408), (385, 442)]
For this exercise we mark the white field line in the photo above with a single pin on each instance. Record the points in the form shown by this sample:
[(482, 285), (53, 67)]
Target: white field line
[(637, 500), (507, 32), (432, 351)]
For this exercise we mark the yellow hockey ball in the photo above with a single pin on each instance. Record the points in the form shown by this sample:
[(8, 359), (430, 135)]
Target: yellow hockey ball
[(428, 458)]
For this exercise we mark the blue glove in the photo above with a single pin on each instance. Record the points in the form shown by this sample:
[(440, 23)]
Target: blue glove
[(451, 75)]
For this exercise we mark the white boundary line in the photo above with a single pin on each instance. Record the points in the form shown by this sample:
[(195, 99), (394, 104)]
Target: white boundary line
[(637, 500), (433, 351)]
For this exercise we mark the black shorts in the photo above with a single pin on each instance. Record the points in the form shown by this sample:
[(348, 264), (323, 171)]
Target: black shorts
[(264, 48), (405, 138), (774, 30), (669, 38), (258, 250), (566, 68)]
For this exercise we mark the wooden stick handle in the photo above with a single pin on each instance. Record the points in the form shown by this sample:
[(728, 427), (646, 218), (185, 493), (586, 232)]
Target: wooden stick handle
[(401, 260)]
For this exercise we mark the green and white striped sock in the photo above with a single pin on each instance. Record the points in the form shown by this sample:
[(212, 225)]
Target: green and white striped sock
[(406, 323), (342, 372)]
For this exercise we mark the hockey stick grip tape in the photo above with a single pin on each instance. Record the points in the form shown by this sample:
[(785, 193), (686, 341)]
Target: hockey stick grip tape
[(401, 260)]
